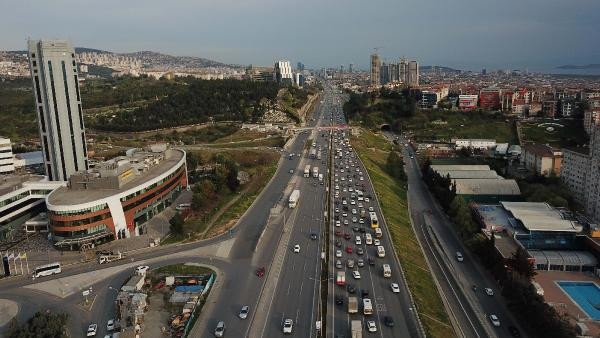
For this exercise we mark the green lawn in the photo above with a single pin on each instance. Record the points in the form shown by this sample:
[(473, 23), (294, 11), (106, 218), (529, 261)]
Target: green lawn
[(569, 135), (446, 125), (182, 269), (373, 151)]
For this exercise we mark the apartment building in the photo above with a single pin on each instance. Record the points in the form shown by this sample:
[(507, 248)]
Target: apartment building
[(575, 170), (542, 159)]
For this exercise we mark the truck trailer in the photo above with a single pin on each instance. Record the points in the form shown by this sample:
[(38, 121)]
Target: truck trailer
[(294, 197), (356, 327), (110, 258), (315, 172), (307, 170)]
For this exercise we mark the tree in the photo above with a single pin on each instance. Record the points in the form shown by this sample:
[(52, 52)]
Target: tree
[(42, 324), (395, 166), (520, 264), (176, 224)]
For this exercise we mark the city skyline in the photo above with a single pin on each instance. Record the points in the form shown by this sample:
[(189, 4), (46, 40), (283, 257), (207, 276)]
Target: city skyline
[(224, 32)]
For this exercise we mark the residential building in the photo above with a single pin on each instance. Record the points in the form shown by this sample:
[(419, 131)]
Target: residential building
[(262, 74), (591, 119), (116, 198), (403, 71), (7, 162), (429, 99), (592, 203), (489, 98), (58, 104), (283, 72), (467, 102), (575, 170), (542, 159), (375, 70), (413, 74), (549, 108), (384, 73), (566, 107)]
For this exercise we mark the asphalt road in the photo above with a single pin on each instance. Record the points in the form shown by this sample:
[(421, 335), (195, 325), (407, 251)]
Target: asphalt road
[(471, 308), (385, 301)]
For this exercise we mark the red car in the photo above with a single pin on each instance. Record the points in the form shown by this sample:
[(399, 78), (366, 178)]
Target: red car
[(349, 249), (347, 236), (338, 233), (260, 272)]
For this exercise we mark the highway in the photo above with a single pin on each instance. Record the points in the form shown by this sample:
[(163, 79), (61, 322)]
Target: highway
[(470, 308), (350, 176)]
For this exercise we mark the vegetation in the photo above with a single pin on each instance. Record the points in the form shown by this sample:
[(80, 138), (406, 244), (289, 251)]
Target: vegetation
[(17, 111), (375, 151), (42, 324), (441, 187), (564, 133), (176, 225), (382, 107), (181, 269), (196, 102), (547, 189)]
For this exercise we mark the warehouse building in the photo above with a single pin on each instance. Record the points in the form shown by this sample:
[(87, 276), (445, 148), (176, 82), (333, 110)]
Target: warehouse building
[(487, 190)]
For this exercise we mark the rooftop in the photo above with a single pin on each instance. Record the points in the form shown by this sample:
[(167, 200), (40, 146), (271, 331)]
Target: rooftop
[(469, 174), (539, 216), (583, 258), (116, 176), (438, 167), (14, 182), (539, 149), (486, 186)]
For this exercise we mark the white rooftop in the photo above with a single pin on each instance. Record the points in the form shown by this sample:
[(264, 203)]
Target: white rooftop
[(446, 167), (539, 216), (469, 174), (486, 186)]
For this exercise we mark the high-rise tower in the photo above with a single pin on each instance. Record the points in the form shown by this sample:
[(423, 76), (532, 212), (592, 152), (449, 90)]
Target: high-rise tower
[(413, 73), (375, 69), (58, 104)]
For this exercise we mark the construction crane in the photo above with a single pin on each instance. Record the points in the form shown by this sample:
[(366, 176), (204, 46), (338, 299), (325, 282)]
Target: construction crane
[(377, 49)]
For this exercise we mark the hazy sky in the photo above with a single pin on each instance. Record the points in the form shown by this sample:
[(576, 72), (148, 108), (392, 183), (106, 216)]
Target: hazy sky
[(470, 34)]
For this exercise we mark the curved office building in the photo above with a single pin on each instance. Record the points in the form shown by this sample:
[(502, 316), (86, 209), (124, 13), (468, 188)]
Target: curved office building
[(116, 198)]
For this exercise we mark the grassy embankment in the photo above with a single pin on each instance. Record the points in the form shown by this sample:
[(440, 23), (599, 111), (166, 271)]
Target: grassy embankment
[(373, 151), (564, 133)]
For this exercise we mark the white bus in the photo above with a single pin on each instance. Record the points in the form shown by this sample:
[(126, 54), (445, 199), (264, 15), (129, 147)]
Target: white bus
[(46, 270), (374, 221)]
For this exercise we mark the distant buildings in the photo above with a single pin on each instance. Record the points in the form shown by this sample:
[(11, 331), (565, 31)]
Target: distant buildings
[(489, 98), (283, 72), (58, 104), (542, 159), (467, 102), (375, 70)]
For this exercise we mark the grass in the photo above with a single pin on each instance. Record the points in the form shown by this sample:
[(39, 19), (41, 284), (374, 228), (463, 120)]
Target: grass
[(445, 125), (570, 135), (373, 151), (242, 135), (276, 141)]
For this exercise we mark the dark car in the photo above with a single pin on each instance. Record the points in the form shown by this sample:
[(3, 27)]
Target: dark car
[(338, 244), (351, 288), (339, 300), (388, 321), (360, 251), (355, 229), (338, 233), (371, 261), (514, 331), (363, 230), (313, 236), (364, 293), (347, 236)]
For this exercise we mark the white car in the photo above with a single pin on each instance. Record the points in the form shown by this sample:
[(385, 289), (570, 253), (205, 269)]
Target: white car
[(361, 178), (395, 288), (220, 329), (376, 242), (371, 209), (489, 291), (354, 211), (371, 326), (338, 223), (356, 274), (288, 325), (367, 199), (353, 202), (141, 270), (92, 329), (338, 253), (244, 312), (495, 321), (345, 222), (110, 325), (297, 248)]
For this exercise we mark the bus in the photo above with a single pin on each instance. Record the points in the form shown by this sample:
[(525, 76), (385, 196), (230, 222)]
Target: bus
[(46, 270), (374, 221), (367, 306)]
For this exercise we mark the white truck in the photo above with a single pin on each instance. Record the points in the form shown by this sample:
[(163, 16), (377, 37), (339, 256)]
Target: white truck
[(293, 200), (315, 172), (313, 153), (356, 327), (110, 258), (307, 170), (352, 305)]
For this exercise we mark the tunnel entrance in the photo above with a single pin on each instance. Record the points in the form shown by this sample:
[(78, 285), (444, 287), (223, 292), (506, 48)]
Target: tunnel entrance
[(386, 127)]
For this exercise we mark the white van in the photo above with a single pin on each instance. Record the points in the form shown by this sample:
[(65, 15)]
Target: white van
[(378, 233), (368, 239), (358, 240), (380, 251), (387, 271), (459, 256), (367, 306)]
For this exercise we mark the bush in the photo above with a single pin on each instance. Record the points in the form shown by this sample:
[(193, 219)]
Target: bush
[(42, 324)]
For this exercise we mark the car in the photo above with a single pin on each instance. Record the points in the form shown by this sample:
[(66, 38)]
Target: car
[(338, 223), (371, 261), (514, 331), (110, 325), (367, 199), (376, 242), (338, 233), (361, 221), (350, 263), (356, 274), (354, 220), (495, 321), (388, 321), (244, 312), (360, 251), (395, 288), (349, 249), (371, 326), (338, 244), (339, 300), (489, 291), (141, 270), (338, 264), (371, 209), (344, 202), (337, 210), (313, 236), (291, 170), (363, 230), (352, 202), (338, 253), (260, 272), (92, 330), (220, 329), (345, 222), (459, 256), (351, 288), (344, 214), (364, 293), (288, 325), (347, 235), (355, 229), (354, 211), (296, 248)]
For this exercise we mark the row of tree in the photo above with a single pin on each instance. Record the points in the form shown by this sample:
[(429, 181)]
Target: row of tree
[(381, 106), (42, 324)]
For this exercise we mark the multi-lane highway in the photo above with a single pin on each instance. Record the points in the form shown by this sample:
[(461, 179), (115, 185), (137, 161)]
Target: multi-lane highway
[(353, 251)]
